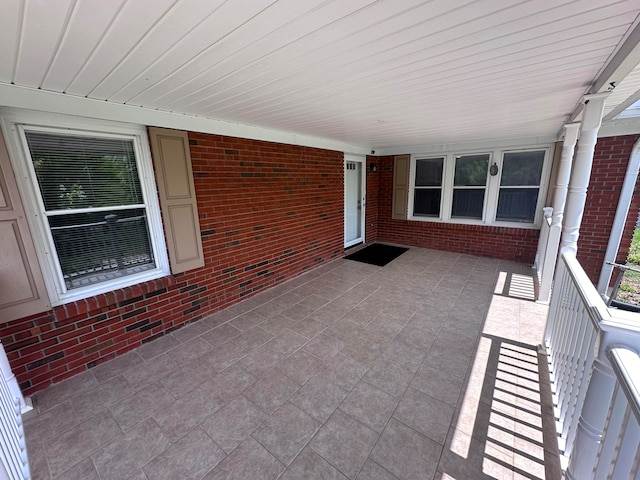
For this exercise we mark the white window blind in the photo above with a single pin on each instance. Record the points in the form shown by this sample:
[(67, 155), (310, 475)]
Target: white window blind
[(94, 205)]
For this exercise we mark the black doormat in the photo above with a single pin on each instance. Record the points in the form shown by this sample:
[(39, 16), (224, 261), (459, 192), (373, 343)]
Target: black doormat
[(377, 254)]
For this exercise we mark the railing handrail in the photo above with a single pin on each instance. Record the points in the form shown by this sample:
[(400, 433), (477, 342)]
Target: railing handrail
[(626, 365)]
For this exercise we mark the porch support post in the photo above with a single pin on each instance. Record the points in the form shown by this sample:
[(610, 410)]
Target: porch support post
[(577, 194), (559, 200)]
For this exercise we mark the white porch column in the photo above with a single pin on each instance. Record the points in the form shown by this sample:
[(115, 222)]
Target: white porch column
[(564, 174), (559, 200), (577, 195)]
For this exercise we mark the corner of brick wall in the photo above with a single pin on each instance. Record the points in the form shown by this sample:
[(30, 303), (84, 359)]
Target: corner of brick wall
[(515, 244), (610, 161)]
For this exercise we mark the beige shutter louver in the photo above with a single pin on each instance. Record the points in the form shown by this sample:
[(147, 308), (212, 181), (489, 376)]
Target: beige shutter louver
[(22, 288), (400, 197), (172, 160)]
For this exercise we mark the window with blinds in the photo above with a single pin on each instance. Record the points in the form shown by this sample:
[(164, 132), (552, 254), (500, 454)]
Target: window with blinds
[(93, 205)]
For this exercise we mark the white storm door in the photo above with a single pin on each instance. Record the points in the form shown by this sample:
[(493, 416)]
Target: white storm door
[(353, 202)]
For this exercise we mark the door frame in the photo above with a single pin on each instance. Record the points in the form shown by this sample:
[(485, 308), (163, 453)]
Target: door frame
[(363, 197)]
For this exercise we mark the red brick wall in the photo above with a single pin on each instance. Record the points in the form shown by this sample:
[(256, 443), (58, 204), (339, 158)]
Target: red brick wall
[(267, 213), (610, 161), (498, 242)]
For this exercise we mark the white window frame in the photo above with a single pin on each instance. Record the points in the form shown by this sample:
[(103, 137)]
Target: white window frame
[(492, 188), (14, 123)]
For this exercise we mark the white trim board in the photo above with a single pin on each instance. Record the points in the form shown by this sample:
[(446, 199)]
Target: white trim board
[(51, 102)]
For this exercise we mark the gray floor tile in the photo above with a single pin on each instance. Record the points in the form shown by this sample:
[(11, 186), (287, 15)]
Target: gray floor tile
[(189, 351), (373, 471), (130, 452), (311, 466), (277, 324), (308, 327), (230, 425), (319, 398), (69, 448), (406, 453), (253, 338), (370, 406), (404, 356), (272, 391), (300, 366), (141, 405), (324, 346), (85, 470), (146, 373), (425, 414), (365, 350), (286, 432), (389, 378), (38, 466), (58, 393), (287, 342), (343, 330), (344, 442), (42, 427), (190, 458), (221, 357), (448, 361), (261, 361), (157, 347), (228, 384), (298, 312), (190, 331), (185, 413), (249, 461), (220, 335), (118, 365), (90, 402), (183, 380), (343, 371), (434, 383), (247, 321), (269, 310)]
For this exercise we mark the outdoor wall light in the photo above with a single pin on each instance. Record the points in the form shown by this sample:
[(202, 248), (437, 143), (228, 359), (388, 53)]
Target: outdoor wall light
[(373, 167), (493, 170)]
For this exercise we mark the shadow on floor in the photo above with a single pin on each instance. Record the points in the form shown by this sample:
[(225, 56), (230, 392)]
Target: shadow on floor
[(505, 427)]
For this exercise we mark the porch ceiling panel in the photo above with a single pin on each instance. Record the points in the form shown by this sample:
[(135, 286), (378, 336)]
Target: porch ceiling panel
[(383, 73)]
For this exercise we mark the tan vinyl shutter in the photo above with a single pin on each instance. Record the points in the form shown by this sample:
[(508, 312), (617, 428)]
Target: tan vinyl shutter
[(172, 160), (22, 288), (400, 187)]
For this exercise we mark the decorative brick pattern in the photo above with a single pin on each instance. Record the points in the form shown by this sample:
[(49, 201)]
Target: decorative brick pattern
[(610, 161), (267, 213), (498, 242)]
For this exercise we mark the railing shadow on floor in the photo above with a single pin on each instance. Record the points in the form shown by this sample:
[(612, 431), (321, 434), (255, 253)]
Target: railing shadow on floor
[(505, 426)]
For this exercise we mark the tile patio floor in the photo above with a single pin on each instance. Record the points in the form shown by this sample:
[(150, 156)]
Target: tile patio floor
[(424, 369)]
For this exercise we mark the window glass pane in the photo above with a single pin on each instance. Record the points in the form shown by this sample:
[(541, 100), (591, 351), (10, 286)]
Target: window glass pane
[(84, 172), (522, 168), (429, 172), (517, 204), (426, 202), (100, 246), (468, 203), (471, 170)]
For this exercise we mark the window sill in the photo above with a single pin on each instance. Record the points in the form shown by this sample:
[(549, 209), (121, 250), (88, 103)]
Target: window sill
[(479, 223)]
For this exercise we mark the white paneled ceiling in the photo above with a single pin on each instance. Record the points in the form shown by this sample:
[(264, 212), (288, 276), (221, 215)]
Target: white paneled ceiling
[(381, 74)]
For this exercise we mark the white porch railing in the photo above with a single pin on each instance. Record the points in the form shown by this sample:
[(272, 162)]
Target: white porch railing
[(584, 339), (13, 451), (547, 255)]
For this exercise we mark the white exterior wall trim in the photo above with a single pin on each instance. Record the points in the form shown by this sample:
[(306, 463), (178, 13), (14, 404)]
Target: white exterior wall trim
[(40, 100)]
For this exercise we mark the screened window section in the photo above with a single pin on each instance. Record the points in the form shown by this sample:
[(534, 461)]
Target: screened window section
[(469, 185), (520, 186), (94, 206), (428, 187)]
